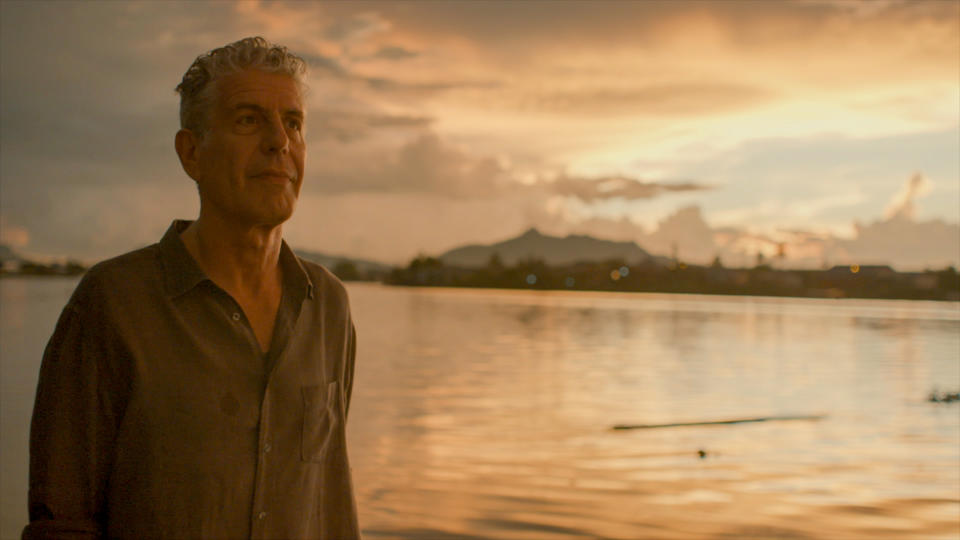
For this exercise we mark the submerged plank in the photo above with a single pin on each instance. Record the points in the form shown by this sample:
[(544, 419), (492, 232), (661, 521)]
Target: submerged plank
[(722, 422)]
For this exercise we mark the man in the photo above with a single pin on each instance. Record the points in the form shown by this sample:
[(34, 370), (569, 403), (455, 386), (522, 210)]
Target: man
[(199, 387)]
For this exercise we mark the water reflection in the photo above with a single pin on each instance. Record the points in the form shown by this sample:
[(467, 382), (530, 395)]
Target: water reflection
[(499, 404), (29, 308)]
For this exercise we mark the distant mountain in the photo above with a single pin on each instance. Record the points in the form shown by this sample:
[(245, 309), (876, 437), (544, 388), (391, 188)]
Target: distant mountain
[(330, 262), (553, 250)]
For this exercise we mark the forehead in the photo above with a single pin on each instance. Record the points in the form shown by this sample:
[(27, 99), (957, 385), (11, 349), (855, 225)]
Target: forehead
[(268, 90)]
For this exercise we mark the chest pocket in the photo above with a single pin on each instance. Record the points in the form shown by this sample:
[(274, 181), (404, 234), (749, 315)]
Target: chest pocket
[(321, 420)]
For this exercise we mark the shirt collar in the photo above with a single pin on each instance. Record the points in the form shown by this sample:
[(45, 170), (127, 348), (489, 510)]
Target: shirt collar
[(294, 275), (182, 273)]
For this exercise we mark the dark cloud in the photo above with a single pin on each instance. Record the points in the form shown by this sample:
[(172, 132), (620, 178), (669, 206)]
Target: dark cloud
[(333, 67), (356, 26), (678, 99), (326, 64), (393, 52), (872, 8), (593, 189), (348, 127), (385, 120), (512, 27), (425, 164), (383, 84), (428, 164)]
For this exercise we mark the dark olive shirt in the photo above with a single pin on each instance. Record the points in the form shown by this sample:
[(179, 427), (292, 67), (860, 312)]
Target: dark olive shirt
[(158, 416)]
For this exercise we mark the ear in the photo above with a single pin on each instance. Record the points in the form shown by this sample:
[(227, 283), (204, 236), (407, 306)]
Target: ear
[(187, 143)]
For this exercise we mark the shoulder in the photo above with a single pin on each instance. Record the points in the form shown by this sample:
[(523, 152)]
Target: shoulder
[(125, 275)]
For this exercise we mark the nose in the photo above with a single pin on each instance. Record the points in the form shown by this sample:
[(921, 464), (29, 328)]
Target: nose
[(275, 139)]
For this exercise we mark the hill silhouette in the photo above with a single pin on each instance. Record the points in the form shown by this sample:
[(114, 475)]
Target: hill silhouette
[(552, 250)]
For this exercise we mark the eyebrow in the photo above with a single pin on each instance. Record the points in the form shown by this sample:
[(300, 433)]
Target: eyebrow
[(297, 113)]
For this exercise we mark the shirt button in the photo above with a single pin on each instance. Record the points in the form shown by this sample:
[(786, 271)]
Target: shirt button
[(261, 515), (236, 316), (267, 447)]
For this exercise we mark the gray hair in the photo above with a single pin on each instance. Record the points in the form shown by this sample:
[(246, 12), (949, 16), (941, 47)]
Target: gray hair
[(196, 88)]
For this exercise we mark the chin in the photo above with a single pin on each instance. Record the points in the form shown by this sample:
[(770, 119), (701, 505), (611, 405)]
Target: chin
[(279, 217), (274, 220), (272, 215)]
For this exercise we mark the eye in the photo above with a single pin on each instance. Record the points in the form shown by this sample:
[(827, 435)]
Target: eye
[(247, 123), (295, 124)]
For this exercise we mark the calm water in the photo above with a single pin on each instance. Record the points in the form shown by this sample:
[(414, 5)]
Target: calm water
[(487, 414)]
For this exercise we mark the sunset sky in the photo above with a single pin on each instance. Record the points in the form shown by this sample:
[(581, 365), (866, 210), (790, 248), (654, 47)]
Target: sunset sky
[(724, 128)]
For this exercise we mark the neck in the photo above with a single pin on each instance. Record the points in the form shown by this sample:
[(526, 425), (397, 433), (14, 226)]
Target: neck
[(242, 259)]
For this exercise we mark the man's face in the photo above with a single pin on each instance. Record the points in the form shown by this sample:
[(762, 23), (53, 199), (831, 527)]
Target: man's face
[(250, 160)]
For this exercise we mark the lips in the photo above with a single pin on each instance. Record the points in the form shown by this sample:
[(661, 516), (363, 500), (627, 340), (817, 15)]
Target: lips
[(274, 176)]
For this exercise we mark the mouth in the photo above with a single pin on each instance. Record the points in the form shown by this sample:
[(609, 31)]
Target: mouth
[(274, 176)]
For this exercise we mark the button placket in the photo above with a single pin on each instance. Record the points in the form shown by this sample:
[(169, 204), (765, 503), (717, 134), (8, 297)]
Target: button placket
[(260, 494)]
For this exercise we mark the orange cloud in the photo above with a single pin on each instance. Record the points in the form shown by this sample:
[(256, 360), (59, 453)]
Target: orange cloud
[(13, 235)]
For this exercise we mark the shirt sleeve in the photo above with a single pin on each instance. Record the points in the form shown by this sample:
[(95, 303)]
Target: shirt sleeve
[(79, 403)]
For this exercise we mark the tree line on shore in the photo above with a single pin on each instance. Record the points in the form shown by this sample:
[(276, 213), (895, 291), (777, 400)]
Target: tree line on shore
[(617, 275), (851, 281), (34, 268)]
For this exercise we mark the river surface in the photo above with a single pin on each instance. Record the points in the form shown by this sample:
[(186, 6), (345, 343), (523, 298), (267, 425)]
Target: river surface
[(488, 414)]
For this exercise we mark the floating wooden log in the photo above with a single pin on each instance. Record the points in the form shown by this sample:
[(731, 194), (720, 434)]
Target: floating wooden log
[(946, 397), (722, 422)]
